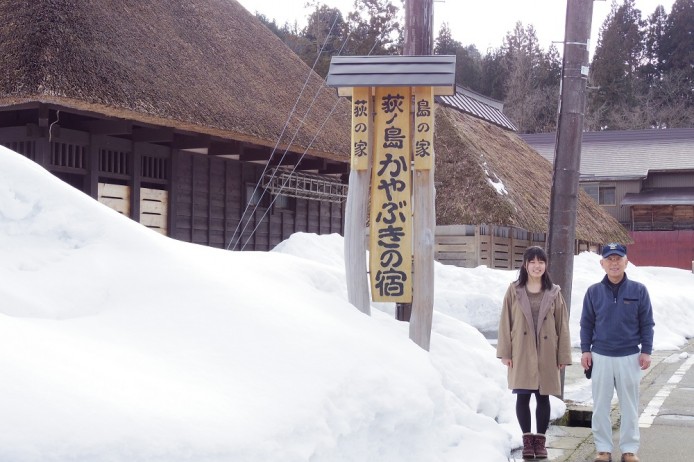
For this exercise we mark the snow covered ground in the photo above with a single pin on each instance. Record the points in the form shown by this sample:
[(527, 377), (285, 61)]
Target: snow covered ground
[(118, 344)]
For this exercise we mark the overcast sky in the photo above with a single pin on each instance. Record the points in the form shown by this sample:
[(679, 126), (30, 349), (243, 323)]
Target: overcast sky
[(482, 23)]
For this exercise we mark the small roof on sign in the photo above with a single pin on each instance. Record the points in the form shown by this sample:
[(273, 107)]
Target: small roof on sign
[(437, 71)]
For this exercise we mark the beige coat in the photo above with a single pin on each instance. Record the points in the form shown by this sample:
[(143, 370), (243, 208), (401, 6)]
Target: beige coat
[(535, 359)]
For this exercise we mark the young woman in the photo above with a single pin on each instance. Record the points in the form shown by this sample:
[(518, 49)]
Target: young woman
[(534, 344)]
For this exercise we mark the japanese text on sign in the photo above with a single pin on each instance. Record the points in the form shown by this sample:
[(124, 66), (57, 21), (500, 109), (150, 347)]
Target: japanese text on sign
[(361, 136), (423, 142), (390, 260)]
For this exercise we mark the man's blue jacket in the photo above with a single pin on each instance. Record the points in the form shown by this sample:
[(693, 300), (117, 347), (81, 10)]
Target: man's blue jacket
[(615, 325)]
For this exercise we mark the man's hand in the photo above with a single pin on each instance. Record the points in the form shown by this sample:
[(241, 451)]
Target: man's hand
[(507, 362), (644, 361), (586, 360)]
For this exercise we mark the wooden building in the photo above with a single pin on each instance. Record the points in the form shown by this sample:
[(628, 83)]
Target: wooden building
[(645, 179), (189, 117), (495, 184), (174, 112)]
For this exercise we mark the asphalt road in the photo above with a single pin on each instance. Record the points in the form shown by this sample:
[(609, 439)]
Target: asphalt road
[(666, 412)]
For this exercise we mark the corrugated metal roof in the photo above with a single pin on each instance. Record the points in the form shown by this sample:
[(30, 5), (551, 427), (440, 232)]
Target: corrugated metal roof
[(478, 106), (627, 153), (664, 196), (347, 72)]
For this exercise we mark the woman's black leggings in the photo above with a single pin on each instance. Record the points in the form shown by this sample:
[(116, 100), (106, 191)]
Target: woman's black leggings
[(541, 412)]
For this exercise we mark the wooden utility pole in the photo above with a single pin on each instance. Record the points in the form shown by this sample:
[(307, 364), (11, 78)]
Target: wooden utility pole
[(419, 27), (419, 40), (567, 152)]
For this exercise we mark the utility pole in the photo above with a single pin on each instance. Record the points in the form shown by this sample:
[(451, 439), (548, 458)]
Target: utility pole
[(419, 40), (567, 152), (419, 27)]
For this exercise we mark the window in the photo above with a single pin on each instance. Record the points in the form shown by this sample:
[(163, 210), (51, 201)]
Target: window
[(607, 195), (603, 194), (593, 190), (253, 194), (282, 202)]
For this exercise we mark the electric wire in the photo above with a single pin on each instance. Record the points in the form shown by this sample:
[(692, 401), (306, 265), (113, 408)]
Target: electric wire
[(286, 123), (267, 209)]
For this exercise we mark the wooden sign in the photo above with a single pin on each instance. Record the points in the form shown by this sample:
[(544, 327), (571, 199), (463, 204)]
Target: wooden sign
[(390, 257), (361, 127), (423, 140)]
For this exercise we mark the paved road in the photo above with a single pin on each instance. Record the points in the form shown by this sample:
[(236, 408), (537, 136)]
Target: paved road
[(667, 412)]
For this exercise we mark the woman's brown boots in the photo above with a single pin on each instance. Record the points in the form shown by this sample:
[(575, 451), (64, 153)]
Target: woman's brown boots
[(528, 446), (540, 449), (534, 446)]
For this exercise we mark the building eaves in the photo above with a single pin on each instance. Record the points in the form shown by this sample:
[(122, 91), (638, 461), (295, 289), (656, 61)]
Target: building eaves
[(665, 196), (479, 107)]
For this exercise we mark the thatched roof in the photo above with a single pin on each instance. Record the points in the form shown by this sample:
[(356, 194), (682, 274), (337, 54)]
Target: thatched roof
[(209, 66), (472, 153), (206, 66)]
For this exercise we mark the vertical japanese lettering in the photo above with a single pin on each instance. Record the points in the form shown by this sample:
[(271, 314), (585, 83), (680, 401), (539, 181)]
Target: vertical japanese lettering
[(391, 215), (361, 123), (423, 140)]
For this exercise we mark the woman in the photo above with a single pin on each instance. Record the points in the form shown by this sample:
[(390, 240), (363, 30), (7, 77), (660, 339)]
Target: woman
[(534, 344)]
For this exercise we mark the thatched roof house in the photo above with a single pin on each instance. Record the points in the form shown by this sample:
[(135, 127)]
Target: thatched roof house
[(472, 154), (189, 99), (206, 66)]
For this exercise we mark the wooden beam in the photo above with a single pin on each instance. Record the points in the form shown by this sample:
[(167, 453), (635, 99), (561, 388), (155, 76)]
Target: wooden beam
[(228, 148), (109, 127), (289, 159), (250, 154), (332, 168), (190, 142), (312, 164), (153, 135)]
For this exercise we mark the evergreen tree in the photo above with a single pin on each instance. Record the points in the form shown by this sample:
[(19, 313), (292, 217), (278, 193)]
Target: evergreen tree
[(444, 43), (374, 28), (468, 68), (653, 66), (614, 70), (325, 31), (494, 75), (678, 40), (532, 78)]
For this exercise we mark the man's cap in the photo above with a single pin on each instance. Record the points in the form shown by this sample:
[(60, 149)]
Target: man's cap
[(614, 249)]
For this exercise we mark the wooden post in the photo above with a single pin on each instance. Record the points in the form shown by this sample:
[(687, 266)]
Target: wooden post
[(419, 40), (358, 200), (424, 220), (355, 242), (567, 155), (423, 277)]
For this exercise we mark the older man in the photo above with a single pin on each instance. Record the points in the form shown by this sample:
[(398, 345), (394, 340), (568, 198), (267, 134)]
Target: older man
[(617, 318)]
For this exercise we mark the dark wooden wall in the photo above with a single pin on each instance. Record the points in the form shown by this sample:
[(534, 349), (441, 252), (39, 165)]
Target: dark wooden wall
[(207, 194), (208, 206)]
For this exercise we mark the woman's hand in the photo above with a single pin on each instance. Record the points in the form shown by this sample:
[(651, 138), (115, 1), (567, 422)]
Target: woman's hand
[(507, 362)]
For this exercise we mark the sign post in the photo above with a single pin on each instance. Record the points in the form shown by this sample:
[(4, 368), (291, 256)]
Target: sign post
[(393, 138)]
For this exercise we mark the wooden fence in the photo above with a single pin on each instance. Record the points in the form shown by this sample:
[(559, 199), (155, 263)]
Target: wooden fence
[(499, 247)]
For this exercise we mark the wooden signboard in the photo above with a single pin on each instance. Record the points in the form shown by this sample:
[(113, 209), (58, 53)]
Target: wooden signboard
[(361, 133), (390, 258), (423, 142)]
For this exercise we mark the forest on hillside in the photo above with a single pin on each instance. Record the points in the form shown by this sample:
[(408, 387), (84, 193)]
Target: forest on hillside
[(641, 74)]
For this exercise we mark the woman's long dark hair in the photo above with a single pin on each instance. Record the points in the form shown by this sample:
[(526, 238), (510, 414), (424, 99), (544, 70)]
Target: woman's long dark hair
[(530, 254)]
